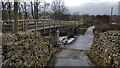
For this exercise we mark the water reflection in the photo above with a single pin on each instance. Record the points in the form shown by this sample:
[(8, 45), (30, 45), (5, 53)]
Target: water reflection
[(71, 56), (83, 42)]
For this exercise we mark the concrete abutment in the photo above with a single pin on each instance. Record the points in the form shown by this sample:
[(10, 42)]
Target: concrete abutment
[(54, 38)]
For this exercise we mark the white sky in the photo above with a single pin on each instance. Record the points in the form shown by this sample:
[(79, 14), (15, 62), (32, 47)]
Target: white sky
[(73, 2), (91, 6), (80, 2), (88, 6)]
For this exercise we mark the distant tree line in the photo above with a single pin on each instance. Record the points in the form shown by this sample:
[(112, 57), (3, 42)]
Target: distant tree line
[(35, 9), (39, 9)]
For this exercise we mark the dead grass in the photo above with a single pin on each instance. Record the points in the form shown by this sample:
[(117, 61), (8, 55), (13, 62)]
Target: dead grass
[(98, 61)]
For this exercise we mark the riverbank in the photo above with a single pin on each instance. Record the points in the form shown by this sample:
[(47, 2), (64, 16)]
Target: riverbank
[(31, 49), (105, 50), (26, 49), (74, 54)]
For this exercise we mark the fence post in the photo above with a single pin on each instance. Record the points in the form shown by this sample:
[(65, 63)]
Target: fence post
[(36, 25), (23, 25), (12, 26), (54, 24), (49, 25), (16, 17)]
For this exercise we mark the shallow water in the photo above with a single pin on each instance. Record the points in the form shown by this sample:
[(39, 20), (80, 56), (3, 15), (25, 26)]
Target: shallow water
[(82, 42), (72, 58), (74, 54)]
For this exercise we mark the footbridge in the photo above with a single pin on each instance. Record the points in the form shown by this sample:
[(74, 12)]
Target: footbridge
[(43, 26)]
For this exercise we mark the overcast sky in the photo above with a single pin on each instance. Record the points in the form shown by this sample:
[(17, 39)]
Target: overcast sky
[(92, 7)]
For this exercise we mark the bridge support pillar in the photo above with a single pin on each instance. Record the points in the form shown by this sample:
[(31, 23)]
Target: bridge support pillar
[(54, 38), (70, 32)]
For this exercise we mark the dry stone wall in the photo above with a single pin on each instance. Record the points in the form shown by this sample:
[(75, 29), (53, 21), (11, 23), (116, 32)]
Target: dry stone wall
[(105, 50), (25, 49)]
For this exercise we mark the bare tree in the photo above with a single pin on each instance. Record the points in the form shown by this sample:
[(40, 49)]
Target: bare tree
[(4, 11), (59, 10), (36, 8), (32, 10), (21, 8), (9, 9), (45, 6), (16, 17), (25, 11)]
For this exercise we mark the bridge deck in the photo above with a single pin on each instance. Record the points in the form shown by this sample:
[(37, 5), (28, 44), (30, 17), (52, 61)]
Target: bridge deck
[(32, 25)]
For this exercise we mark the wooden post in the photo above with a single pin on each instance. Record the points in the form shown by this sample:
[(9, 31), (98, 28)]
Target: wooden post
[(36, 25), (54, 24), (43, 25), (49, 24), (15, 17), (22, 22)]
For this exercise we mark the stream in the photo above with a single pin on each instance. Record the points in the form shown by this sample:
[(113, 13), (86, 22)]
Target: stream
[(74, 54)]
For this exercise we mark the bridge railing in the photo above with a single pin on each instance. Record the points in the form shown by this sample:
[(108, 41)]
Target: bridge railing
[(31, 25)]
